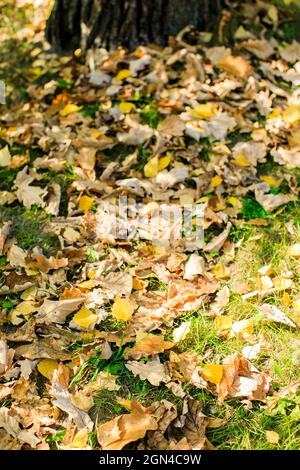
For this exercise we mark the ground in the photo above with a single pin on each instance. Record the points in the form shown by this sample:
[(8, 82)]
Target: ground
[(111, 341)]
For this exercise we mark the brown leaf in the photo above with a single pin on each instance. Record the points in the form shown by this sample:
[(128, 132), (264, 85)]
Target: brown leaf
[(117, 433), (148, 346), (242, 379), (237, 66), (46, 348), (195, 424), (172, 126)]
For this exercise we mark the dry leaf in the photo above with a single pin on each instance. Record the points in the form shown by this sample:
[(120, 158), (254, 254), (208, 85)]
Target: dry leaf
[(63, 401), (194, 266), (56, 311), (117, 433), (153, 370), (272, 313), (181, 332), (46, 367), (272, 437), (237, 66), (123, 309), (84, 318), (148, 346)]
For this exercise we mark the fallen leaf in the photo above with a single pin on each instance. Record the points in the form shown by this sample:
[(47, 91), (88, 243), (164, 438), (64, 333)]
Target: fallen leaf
[(217, 242), (85, 203), (151, 168), (212, 373), (194, 266), (272, 437), (63, 401), (123, 309), (56, 311), (148, 346), (273, 313), (117, 433), (46, 367), (84, 318), (70, 109), (5, 157), (181, 332), (237, 66), (122, 75), (153, 370)]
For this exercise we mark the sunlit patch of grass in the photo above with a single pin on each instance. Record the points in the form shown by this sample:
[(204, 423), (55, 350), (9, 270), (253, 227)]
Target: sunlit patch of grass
[(204, 340), (245, 428)]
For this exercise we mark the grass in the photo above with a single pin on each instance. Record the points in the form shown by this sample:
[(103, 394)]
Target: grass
[(28, 228)]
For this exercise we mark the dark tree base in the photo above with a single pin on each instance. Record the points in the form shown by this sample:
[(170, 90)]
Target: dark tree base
[(110, 23)]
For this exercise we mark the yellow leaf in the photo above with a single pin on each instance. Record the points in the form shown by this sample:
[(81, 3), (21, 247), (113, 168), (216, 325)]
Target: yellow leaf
[(286, 299), (122, 309), (137, 284), (70, 109), (274, 114), (95, 134), (213, 373), (273, 15), (87, 284), (294, 138), (126, 107), (164, 162), (5, 156), (80, 439), (270, 180), (14, 318), (292, 114), (204, 111), (216, 181), (223, 322), (26, 308), (272, 437), (84, 318), (29, 294), (125, 73), (46, 367), (241, 160), (296, 305), (31, 272), (85, 203), (232, 200), (151, 168), (92, 274)]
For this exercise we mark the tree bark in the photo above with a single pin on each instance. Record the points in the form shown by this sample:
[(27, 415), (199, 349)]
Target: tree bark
[(110, 23)]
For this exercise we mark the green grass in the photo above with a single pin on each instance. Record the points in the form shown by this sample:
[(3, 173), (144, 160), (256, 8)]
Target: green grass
[(28, 228)]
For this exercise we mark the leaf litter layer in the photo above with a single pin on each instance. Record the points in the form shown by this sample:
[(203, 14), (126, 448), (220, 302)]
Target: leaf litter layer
[(109, 342)]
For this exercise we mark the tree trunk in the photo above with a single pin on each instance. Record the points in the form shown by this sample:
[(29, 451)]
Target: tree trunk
[(110, 23)]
